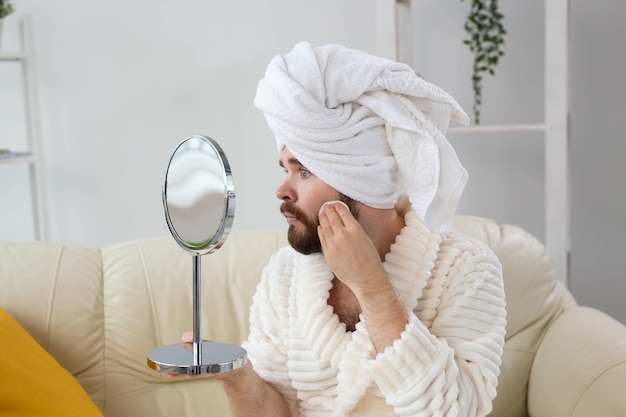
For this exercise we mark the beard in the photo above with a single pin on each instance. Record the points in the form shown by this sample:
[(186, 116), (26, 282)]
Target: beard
[(308, 241)]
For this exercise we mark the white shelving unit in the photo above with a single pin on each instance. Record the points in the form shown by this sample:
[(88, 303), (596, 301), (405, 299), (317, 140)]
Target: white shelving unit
[(395, 34), (31, 155)]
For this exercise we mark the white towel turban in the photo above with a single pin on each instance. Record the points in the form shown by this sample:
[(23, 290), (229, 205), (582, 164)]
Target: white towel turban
[(367, 126)]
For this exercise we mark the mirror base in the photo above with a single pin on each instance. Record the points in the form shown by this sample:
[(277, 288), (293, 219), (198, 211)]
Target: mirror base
[(215, 358)]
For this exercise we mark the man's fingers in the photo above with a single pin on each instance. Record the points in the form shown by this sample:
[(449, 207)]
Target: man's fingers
[(187, 336)]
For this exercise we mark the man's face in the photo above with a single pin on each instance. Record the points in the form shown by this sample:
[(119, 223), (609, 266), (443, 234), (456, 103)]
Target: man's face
[(303, 194)]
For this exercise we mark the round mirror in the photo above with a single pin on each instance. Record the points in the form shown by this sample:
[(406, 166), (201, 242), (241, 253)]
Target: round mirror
[(199, 203), (198, 195)]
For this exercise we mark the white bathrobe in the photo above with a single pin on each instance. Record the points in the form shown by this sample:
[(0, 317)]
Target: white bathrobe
[(446, 362)]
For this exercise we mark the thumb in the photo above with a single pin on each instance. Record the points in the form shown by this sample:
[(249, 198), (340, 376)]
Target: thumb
[(187, 336)]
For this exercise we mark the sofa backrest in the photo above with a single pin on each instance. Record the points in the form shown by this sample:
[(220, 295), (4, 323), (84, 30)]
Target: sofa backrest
[(148, 303), (55, 292)]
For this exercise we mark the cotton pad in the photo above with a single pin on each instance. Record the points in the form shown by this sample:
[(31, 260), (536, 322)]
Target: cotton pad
[(333, 202)]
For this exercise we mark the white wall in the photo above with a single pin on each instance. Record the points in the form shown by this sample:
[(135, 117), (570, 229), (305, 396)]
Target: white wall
[(122, 82)]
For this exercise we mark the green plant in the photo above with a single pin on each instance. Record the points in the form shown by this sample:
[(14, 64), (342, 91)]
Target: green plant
[(6, 8), (485, 40)]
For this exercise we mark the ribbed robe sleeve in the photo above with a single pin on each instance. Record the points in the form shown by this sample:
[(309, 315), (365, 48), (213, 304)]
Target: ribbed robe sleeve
[(449, 366), (269, 318)]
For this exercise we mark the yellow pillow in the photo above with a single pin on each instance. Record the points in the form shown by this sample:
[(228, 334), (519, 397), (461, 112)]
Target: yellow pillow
[(32, 383)]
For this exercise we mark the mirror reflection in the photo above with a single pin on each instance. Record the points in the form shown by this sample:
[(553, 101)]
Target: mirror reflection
[(198, 195)]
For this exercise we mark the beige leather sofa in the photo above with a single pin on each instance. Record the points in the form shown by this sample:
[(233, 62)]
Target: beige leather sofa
[(100, 311)]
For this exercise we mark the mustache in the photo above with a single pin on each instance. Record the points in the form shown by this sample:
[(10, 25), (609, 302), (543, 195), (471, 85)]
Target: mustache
[(295, 211)]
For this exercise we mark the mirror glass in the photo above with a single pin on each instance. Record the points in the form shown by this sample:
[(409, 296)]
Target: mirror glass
[(198, 195)]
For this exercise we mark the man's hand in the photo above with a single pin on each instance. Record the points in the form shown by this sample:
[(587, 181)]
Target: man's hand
[(349, 251), (356, 262), (187, 340), (248, 394)]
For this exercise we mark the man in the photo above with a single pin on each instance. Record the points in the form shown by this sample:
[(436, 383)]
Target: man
[(375, 308)]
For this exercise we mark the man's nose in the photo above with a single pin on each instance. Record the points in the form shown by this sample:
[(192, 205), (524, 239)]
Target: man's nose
[(285, 192)]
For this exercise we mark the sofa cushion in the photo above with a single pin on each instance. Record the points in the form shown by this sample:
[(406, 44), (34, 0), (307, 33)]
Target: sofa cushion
[(33, 382)]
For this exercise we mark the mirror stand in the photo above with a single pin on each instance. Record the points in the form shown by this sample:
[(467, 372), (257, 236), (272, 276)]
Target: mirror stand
[(199, 357)]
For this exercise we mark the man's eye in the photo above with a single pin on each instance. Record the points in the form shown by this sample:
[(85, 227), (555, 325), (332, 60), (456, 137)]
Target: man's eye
[(304, 173)]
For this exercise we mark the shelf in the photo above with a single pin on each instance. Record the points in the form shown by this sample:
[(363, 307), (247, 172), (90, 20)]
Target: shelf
[(498, 128), (398, 37), (12, 56), (30, 154), (16, 157)]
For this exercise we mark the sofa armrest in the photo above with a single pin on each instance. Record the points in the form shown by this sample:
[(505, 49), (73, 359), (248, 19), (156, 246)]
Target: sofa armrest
[(580, 367)]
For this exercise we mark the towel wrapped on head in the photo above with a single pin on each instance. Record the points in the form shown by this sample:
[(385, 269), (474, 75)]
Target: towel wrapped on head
[(367, 126)]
